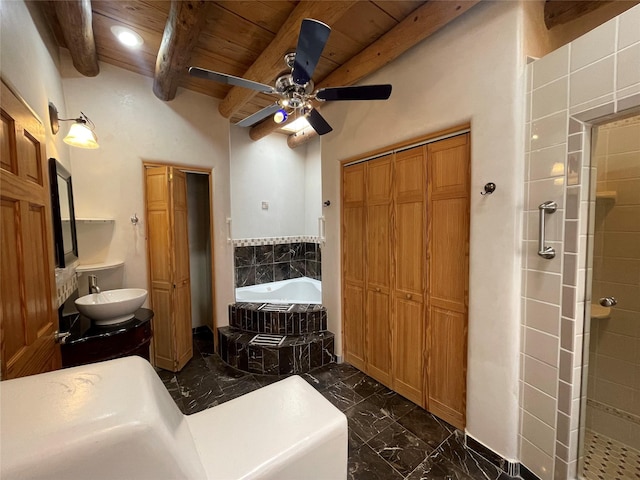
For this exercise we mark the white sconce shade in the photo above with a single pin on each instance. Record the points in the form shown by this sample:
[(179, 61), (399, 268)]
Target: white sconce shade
[(80, 135)]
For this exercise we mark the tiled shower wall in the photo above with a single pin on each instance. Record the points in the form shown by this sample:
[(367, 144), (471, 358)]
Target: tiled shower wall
[(277, 260), (584, 82), (613, 399)]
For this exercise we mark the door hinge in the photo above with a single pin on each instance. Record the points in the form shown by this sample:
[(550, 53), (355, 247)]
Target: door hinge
[(170, 176)]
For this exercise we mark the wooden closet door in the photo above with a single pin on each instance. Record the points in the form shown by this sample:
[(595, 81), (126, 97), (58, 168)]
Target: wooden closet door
[(28, 317), (378, 268), (170, 285), (353, 270), (410, 190), (182, 280), (448, 188)]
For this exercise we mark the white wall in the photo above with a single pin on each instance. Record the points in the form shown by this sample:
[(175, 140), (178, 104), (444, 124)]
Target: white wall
[(266, 171), (470, 71), (312, 187), (134, 126), (30, 68)]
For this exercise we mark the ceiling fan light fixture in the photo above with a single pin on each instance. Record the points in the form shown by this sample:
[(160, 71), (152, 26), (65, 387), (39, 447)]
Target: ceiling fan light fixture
[(280, 116), (81, 135), (126, 36), (297, 125)]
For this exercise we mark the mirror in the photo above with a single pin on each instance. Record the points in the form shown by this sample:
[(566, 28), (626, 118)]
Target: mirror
[(64, 222)]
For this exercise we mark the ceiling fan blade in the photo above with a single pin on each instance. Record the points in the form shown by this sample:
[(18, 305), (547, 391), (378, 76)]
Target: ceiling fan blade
[(360, 92), (318, 122), (259, 115), (229, 80), (311, 42)]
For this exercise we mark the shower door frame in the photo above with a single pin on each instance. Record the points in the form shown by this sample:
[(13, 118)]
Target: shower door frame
[(584, 287)]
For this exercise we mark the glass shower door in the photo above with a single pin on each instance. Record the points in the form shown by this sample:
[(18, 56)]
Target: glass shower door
[(611, 440)]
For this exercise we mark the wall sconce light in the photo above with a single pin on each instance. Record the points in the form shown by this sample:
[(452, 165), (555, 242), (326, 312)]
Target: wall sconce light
[(81, 132)]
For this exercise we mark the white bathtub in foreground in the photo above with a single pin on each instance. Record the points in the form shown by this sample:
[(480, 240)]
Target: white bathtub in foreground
[(115, 420)]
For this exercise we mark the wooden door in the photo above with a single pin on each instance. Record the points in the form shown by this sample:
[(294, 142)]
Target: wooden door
[(27, 293), (169, 266), (410, 191), (378, 258), (353, 276), (182, 282), (448, 260)]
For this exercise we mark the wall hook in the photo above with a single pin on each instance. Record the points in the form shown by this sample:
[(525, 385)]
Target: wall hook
[(489, 188), (327, 203), (135, 219)]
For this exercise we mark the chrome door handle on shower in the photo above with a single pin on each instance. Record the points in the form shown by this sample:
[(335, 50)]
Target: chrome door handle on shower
[(543, 250)]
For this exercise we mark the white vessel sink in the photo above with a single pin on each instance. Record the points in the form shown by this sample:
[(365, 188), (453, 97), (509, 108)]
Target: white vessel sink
[(113, 306)]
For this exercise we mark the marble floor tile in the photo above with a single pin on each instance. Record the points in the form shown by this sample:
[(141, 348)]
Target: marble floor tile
[(437, 468), (365, 464), (364, 385), (205, 394), (468, 461), (341, 396), (400, 448), (392, 404), (426, 427), (367, 420), (322, 378)]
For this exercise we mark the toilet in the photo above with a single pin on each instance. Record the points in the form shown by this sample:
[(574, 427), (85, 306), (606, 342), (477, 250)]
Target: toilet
[(115, 419)]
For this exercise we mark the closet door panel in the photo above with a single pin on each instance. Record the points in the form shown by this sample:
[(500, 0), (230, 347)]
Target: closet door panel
[(378, 246), (410, 250), (448, 240), (448, 277), (408, 364), (378, 257), (447, 359), (378, 336), (354, 326), (353, 265), (353, 244)]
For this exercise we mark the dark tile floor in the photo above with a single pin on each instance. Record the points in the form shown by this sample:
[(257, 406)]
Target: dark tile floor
[(390, 438)]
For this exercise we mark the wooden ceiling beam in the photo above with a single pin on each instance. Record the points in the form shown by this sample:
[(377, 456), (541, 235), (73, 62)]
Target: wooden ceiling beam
[(558, 12), (270, 62), (74, 17), (302, 137), (186, 21), (418, 25)]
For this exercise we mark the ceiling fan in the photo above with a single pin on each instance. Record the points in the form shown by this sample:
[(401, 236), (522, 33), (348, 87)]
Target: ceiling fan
[(295, 87)]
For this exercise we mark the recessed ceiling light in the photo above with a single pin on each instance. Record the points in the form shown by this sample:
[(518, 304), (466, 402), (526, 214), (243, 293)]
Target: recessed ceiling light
[(297, 125), (127, 36)]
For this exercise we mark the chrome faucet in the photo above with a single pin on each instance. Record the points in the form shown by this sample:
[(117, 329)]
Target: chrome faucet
[(93, 284)]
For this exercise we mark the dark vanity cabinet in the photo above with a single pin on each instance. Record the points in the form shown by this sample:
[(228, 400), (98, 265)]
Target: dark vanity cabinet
[(89, 343)]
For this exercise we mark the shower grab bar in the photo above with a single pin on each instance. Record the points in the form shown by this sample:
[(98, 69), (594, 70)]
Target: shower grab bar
[(543, 250)]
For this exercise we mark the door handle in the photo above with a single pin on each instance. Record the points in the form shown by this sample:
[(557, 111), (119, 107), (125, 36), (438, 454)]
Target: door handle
[(60, 337), (543, 250), (608, 301)]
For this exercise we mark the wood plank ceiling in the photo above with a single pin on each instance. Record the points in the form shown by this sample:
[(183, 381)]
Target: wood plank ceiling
[(243, 38), (235, 35)]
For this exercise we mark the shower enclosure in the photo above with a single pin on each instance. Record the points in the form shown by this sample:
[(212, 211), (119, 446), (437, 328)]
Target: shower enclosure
[(611, 379)]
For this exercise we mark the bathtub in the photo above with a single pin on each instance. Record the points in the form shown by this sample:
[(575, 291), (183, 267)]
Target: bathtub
[(295, 290)]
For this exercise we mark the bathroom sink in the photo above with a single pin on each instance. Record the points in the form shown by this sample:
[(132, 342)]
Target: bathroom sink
[(113, 306)]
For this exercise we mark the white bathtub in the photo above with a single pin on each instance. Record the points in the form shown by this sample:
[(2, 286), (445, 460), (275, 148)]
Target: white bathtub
[(296, 290)]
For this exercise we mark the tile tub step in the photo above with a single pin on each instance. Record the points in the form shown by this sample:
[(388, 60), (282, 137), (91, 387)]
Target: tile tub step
[(295, 354), (297, 319)]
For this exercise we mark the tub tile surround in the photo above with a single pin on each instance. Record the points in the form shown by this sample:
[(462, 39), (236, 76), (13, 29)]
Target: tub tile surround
[(600, 74), (306, 345), (278, 259)]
